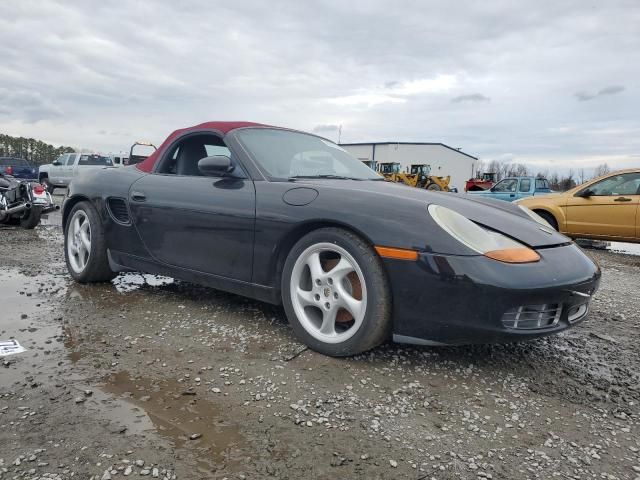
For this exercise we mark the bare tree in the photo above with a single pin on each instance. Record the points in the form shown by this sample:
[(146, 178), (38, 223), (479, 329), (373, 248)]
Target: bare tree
[(567, 182), (480, 168), (601, 169)]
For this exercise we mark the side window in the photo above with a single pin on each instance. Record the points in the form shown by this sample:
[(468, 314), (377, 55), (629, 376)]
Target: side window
[(506, 185), (525, 184), (183, 157), (217, 150), (62, 159), (625, 184), (541, 184), (71, 158)]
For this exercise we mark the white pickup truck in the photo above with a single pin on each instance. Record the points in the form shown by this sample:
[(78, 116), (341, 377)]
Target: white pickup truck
[(60, 173)]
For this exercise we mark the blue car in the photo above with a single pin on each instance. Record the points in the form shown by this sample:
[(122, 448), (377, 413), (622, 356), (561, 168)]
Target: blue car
[(514, 188)]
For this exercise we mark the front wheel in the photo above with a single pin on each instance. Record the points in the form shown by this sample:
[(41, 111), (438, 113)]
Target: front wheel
[(85, 247), (551, 220), (336, 294)]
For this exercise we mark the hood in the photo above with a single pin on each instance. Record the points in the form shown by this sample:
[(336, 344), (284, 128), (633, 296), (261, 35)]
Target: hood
[(504, 217)]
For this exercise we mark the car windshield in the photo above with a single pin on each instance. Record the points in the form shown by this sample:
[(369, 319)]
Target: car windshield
[(95, 160), (284, 154)]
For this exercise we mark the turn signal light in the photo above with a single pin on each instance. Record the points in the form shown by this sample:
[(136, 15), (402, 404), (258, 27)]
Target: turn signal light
[(514, 255), (397, 253)]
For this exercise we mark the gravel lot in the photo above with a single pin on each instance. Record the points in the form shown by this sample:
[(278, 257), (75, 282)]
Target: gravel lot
[(151, 377)]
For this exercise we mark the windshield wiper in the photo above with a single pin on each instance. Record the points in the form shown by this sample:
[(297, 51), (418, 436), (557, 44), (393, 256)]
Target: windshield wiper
[(328, 175)]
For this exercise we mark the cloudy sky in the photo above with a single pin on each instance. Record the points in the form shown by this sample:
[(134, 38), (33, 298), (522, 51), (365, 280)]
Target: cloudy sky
[(552, 84)]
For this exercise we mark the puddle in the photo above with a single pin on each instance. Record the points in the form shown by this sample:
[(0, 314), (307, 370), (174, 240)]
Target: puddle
[(78, 347), (628, 248), (616, 247), (177, 416), (27, 316), (127, 282), (22, 303)]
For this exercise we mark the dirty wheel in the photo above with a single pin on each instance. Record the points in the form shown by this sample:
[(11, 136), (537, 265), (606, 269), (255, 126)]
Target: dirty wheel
[(434, 186), (335, 293), (551, 220), (31, 218), (85, 249)]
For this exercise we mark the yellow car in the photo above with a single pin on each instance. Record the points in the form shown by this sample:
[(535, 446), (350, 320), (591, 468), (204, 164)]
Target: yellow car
[(605, 208)]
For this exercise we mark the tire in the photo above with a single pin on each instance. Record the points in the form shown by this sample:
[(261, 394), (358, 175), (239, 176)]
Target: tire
[(551, 220), (353, 296), (31, 219), (10, 221), (44, 181), (434, 187), (85, 249)]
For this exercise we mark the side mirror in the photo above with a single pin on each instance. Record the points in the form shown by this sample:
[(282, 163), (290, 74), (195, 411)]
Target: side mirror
[(585, 193), (215, 166), (56, 163)]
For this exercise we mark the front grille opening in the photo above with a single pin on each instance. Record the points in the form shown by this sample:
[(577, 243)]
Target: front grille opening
[(532, 317), (118, 209)]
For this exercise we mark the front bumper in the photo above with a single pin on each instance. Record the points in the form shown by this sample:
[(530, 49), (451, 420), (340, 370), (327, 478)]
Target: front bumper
[(455, 300)]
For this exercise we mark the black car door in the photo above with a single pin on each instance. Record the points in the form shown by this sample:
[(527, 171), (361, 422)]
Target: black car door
[(195, 222)]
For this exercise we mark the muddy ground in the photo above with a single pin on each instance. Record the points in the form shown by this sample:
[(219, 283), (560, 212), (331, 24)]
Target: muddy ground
[(150, 377)]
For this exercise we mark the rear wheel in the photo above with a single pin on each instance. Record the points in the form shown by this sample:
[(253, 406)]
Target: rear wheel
[(336, 294), (85, 247), (434, 187), (551, 220), (31, 218), (10, 221)]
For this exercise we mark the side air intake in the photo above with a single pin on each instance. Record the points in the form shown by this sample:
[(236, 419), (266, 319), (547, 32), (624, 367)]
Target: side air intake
[(118, 210)]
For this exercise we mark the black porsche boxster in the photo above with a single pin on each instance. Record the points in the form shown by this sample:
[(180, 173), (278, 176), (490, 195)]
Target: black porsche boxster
[(289, 217)]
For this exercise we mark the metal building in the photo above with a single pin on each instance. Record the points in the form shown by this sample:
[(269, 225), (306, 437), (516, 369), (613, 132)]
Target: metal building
[(443, 159)]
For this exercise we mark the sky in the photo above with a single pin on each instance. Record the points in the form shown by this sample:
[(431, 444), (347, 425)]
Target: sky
[(547, 83)]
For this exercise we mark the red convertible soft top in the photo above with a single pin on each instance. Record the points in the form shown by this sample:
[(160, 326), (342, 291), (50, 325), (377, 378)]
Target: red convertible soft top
[(221, 127)]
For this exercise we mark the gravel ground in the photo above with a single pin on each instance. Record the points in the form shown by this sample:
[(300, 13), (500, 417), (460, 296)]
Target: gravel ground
[(151, 377)]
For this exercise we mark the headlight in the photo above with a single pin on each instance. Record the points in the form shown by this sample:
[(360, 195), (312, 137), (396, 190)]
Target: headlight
[(486, 242), (534, 216)]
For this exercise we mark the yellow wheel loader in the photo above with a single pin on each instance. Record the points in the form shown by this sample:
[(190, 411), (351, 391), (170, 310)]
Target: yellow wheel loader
[(392, 173), (424, 179)]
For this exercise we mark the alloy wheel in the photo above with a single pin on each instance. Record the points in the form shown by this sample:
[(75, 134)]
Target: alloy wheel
[(328, 292), (79, 241)]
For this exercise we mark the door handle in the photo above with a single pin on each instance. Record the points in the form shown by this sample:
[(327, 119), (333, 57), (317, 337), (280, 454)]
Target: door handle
[(138, 196), (512, 195), (622, 199)]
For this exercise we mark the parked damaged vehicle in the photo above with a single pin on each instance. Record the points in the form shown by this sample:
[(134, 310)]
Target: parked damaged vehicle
[(23, 202), (291, 218)]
